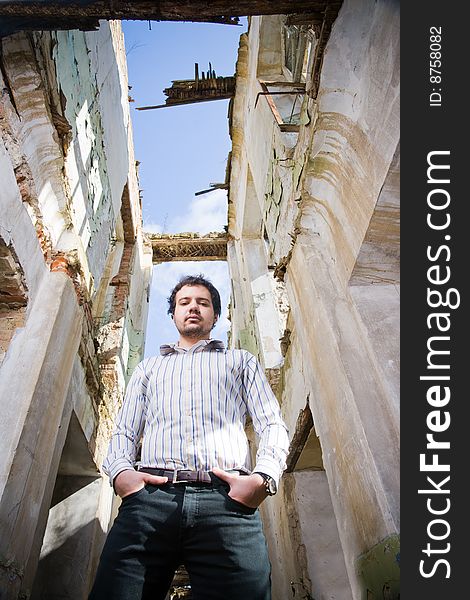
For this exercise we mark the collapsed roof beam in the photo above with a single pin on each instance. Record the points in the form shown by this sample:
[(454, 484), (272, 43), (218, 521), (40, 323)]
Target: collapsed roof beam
[(189, 91), (19, 15), (170, 247)]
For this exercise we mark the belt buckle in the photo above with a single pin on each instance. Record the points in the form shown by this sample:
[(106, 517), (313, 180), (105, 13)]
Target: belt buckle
[(175, 475), (201, 476)]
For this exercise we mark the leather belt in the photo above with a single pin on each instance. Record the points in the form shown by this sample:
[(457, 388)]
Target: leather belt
[(183, 476)]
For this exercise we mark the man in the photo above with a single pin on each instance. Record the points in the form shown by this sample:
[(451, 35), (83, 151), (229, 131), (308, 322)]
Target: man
[(192, 500)]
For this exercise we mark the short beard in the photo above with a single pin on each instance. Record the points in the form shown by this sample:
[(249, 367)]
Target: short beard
[(194, 332)]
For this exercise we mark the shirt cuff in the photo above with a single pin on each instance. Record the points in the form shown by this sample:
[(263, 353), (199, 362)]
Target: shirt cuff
[(269, 467), (117, 467)]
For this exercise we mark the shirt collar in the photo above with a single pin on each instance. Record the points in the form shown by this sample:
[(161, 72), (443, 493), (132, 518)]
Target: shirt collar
[(166, 349)]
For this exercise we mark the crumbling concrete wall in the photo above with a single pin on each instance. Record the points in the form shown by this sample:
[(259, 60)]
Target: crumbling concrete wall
[(321, 201), (71, 241)]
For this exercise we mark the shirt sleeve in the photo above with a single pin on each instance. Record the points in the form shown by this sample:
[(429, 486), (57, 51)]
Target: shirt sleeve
[(124, 443), (264, 410)]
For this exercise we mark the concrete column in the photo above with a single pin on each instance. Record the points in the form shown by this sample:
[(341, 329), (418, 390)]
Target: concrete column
[(353, 406), (350, 406), (33, 388), (43, 514), (66, 567)]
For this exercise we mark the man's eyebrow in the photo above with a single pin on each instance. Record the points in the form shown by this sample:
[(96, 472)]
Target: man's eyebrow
[(197, 298)]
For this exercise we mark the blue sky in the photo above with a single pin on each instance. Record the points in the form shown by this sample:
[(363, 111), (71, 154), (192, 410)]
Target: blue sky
[(182, 149)]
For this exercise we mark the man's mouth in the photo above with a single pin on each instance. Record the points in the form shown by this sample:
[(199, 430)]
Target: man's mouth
[(195, 317)]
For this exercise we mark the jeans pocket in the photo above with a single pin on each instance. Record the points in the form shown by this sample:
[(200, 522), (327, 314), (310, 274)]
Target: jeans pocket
[(133, 494), (238, 506)]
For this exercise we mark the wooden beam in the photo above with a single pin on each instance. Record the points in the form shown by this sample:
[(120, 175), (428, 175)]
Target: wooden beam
[(18, 15), (302, 429), (172, 247), (168, 10)]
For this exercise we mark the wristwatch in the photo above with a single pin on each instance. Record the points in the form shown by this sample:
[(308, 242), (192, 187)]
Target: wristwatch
[(269, 483)]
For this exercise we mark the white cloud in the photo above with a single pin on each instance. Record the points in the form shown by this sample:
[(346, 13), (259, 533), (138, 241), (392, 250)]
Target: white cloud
[(205, 214), (153, 227)]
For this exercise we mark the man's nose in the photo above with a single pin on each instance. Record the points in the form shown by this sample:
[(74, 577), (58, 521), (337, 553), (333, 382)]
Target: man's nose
[(193, 307)]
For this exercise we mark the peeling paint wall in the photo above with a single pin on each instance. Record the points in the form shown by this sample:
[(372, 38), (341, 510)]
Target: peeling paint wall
[(71, 218), (320, 205)]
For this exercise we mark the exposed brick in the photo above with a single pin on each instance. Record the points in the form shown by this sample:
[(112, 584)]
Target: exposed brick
[(10, 320), (13, 291)]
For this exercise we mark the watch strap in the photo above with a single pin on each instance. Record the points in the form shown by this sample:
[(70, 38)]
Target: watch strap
[(269, 483)]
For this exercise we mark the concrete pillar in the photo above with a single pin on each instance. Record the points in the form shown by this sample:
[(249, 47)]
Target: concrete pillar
[(67, 551), (352, 401), (350, 405), (33, 389)]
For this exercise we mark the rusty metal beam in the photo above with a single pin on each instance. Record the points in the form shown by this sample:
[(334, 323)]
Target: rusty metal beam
[(182, 102)]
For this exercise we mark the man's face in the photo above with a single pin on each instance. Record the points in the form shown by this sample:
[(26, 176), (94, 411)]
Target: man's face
[(194, 314)]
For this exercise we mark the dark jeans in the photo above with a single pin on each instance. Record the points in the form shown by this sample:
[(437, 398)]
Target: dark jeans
[(158, 528)]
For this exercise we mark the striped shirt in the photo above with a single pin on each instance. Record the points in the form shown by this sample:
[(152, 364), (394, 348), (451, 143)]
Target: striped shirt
[(188, 407)]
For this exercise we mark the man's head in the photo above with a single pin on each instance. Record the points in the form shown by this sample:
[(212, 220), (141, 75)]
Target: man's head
[(194, 305)]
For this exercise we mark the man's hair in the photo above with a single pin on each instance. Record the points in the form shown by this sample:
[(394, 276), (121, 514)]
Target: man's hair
[(195, 280)]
